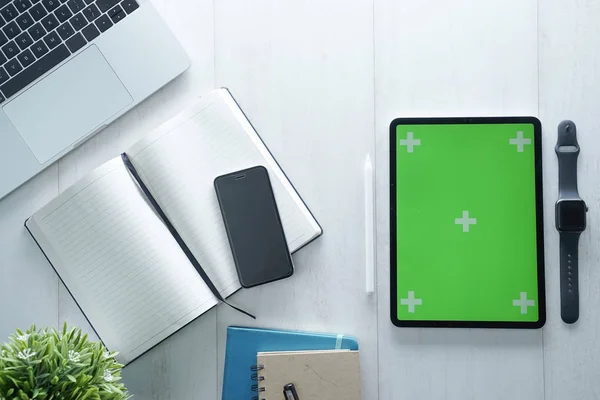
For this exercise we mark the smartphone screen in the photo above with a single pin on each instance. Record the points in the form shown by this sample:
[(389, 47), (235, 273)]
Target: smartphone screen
[(253, 226)]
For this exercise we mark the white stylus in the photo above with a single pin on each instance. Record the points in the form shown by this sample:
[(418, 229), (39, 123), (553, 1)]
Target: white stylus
[(370, 254)]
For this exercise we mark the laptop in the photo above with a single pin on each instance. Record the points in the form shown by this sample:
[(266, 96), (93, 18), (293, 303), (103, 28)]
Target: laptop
[(68, 68)]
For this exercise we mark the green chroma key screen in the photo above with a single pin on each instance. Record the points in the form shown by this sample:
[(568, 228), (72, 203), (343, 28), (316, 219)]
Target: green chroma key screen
[(466, 222)]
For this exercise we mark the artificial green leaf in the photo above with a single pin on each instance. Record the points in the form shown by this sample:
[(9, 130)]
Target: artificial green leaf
[(51, 365)]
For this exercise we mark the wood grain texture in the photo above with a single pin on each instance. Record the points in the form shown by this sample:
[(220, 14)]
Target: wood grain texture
[(29, 287), (302, 71), (321, 82), (184, 365), (467, 58), (569, 86)]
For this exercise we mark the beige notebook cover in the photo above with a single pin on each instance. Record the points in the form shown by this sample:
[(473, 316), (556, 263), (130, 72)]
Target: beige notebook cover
[(317, 375)]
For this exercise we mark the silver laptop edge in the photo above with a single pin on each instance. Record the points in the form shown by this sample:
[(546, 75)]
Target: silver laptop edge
[(83, 94)]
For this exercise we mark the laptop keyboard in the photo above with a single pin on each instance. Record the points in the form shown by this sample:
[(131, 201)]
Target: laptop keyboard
[(37, 35)]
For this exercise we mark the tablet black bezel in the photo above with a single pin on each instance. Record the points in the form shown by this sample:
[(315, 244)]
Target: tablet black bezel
[(539, 223)]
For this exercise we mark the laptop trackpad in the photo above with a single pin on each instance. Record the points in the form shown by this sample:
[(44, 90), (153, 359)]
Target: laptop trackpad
[(68, 104)]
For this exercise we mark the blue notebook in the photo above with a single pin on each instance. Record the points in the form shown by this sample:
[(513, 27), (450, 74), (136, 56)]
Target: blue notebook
[(244, 343)]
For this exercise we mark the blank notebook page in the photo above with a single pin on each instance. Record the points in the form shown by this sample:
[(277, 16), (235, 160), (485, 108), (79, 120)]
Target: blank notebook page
[(119, 261), (179, 162)]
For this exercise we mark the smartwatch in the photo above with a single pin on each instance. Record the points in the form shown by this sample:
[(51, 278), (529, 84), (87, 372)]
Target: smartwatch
[(570, 219)]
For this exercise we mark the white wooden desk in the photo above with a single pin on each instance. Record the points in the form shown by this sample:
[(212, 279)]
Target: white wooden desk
[(321, 80)]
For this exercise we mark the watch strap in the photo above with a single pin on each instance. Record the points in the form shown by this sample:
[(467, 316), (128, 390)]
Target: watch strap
[(569, 277), (567, 159)]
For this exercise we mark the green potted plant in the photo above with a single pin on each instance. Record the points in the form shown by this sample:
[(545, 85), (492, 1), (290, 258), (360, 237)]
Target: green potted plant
[(51, 365)]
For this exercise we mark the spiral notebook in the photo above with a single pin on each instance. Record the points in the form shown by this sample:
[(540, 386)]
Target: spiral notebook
[(140, 242), (316, 375), (243, 345)]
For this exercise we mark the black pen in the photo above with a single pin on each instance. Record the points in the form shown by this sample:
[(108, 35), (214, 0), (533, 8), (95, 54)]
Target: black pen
[(289, 392)]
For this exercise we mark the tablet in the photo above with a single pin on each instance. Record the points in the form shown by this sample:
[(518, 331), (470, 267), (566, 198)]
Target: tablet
[(467, 245)]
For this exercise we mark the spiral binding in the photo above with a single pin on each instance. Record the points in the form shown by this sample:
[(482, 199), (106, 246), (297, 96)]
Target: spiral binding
[(257, 378), (258, 367)]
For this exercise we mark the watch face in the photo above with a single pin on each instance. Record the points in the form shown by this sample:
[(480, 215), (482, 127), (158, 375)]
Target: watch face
[(570, 215)]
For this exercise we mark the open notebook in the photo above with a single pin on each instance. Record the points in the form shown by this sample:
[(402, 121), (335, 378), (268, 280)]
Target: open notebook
[(117, 257)]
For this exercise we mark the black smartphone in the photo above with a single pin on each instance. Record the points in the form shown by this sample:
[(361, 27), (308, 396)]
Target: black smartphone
[(253, 226)]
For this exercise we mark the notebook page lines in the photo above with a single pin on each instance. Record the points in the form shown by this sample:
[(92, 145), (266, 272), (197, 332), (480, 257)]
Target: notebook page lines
[(123, 251), (179, 168), (175, 190), (122, 262), (292, 231)]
